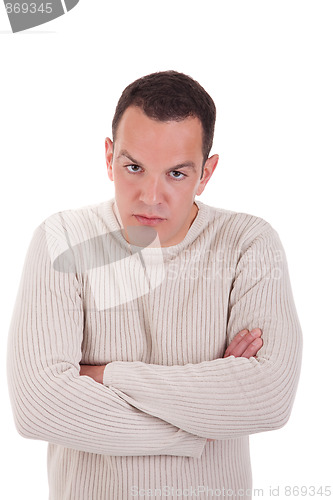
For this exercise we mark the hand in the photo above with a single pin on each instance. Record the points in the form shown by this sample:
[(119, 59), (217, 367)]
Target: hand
[(94, 371), (244, 345)]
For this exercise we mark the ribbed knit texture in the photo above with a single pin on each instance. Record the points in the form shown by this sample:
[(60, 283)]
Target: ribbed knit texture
[(161, 320)]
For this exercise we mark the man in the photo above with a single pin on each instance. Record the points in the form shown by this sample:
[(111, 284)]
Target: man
[(152, 333)]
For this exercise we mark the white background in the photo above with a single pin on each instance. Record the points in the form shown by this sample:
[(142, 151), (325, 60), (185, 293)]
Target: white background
[(268, 66)]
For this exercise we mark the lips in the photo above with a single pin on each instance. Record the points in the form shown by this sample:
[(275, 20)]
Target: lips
[(148, 221), (149, 216)]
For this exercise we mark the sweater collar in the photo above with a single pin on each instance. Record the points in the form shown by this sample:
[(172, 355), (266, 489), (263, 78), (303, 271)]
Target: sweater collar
[(201, 219)]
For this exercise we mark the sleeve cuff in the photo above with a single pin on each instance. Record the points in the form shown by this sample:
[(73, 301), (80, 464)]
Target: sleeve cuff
[(107, 374)]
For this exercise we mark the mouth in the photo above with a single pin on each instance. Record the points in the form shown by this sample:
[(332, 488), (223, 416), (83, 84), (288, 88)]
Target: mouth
[(148, 221)]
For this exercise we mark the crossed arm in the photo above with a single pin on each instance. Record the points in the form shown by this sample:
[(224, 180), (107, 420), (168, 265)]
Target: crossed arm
[(52, 400), (245, 344), (238, 394)]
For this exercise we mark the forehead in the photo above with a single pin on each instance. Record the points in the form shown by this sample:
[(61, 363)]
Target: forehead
[(140, 134)]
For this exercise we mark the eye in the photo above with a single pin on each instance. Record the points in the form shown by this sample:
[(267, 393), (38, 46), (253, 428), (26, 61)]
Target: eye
[(177, 172), (132, 166)]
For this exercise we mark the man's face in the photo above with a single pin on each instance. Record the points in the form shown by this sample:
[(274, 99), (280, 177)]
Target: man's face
[(156, 167)]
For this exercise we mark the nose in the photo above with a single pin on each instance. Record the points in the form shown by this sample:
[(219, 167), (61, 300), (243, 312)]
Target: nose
[(151, 191)]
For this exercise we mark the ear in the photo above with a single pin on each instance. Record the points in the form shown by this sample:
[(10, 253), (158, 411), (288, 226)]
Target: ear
[(209, 168), (109, 157)]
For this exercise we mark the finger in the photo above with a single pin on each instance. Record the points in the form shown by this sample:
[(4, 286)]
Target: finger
[(241, 347), (253, 348), (240, 335)]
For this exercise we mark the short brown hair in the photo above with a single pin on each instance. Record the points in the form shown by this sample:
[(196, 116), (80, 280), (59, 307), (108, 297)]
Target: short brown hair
[(169, 95)]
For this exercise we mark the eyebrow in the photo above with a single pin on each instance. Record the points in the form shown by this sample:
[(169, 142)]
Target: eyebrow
[(186, 164)]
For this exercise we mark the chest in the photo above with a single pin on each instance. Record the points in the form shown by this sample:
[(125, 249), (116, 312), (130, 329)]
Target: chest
[(177, 315)]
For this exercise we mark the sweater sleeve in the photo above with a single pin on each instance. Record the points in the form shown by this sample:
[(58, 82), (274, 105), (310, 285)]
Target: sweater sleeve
[(49, 398), (231, 397)]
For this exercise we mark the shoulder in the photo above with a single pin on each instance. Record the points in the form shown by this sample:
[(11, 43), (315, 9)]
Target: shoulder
[(246, 241), (237, 229), (77, 223), (80, 230)]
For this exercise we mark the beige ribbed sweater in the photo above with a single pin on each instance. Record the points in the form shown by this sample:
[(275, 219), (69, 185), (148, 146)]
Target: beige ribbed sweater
[(161, 320)]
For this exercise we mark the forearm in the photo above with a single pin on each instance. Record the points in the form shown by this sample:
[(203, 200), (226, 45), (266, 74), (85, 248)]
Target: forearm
[(59, 406), (217, 399)]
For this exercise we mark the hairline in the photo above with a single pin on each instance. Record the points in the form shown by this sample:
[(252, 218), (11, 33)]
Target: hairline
[(180, 119)]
